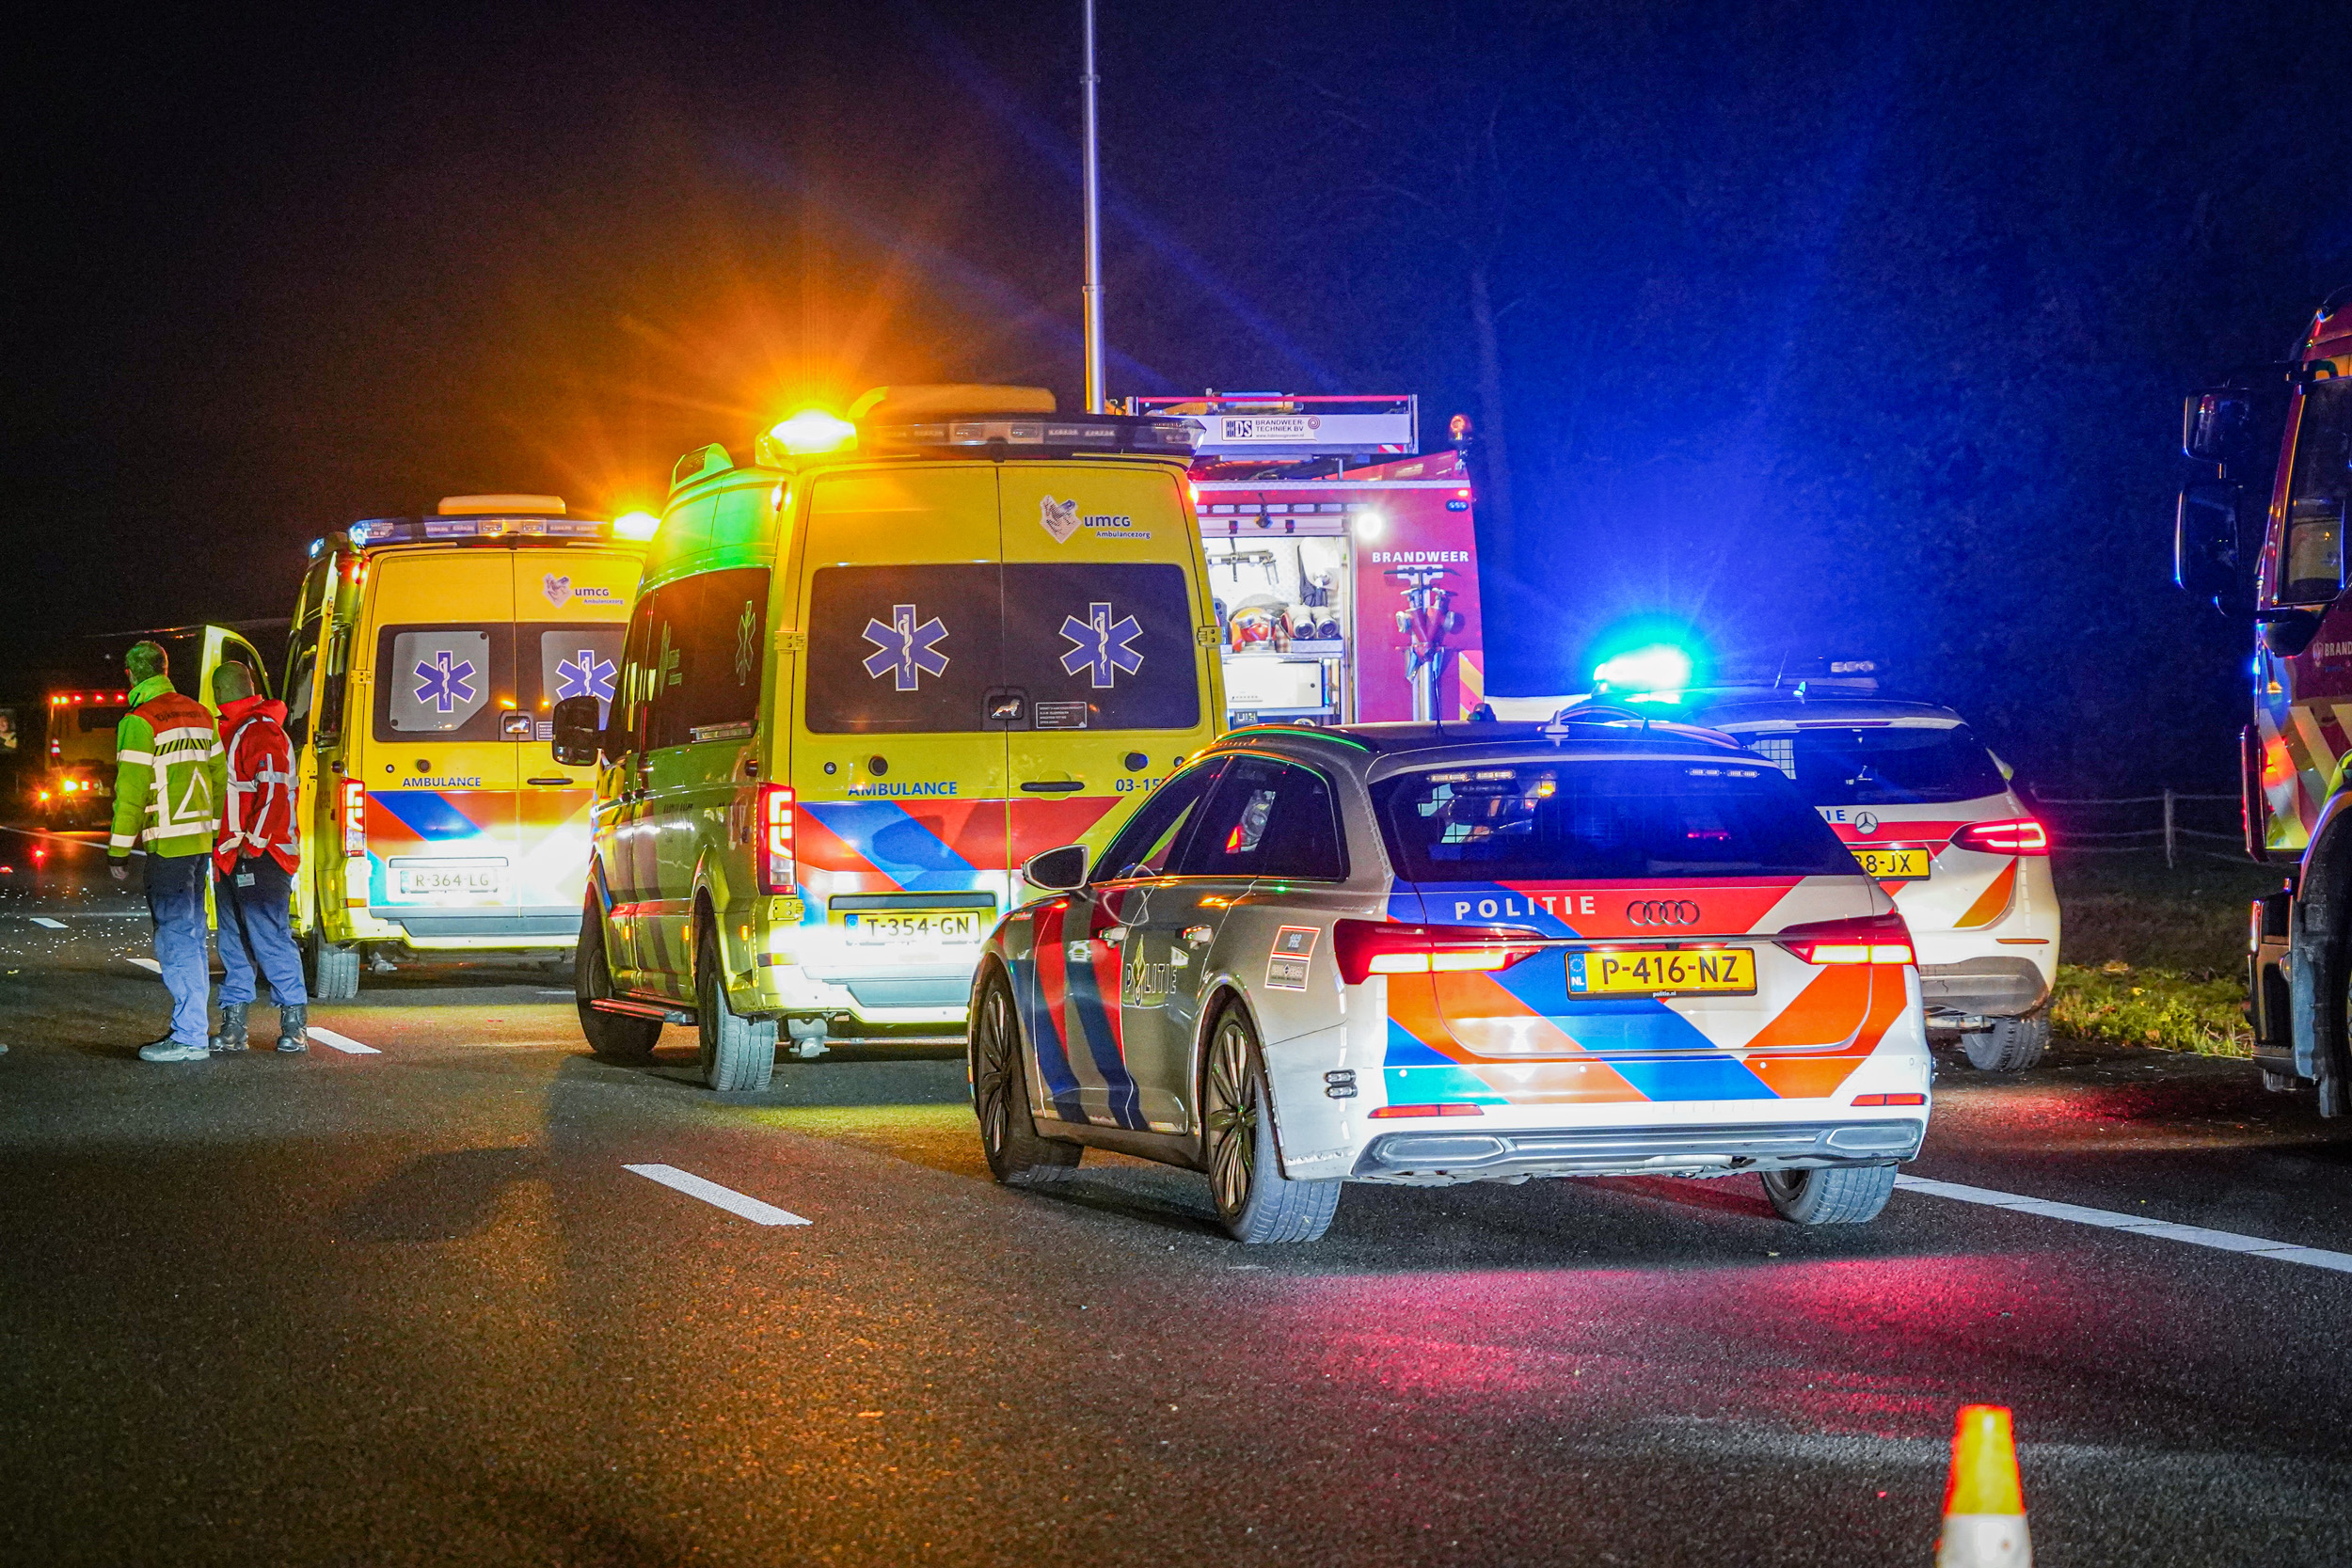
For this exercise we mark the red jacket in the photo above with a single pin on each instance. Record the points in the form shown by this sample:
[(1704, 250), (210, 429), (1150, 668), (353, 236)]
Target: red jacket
[(260, 818)]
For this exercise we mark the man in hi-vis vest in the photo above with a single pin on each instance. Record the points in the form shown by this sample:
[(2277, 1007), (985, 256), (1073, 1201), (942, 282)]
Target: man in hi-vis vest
[(169, 779)]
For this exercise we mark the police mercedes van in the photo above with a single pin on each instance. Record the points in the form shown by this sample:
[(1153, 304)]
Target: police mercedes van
[(868, 674), (426, 656)]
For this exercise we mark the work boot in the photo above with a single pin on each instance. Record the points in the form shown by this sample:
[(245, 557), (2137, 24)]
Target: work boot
[(169, 1049), (230, 1035), (294, 1028)]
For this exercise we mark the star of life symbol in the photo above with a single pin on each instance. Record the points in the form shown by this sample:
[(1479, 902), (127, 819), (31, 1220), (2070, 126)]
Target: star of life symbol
[(906, 650), (443, 683), (1102, 644), (584, 675)]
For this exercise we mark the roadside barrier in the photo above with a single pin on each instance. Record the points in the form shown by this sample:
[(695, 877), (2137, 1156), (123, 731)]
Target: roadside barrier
[(2166, 835), (1984, 1503)]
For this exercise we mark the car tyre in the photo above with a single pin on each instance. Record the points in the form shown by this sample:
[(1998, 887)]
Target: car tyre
[(1017, 1153), (2012, 1045), (1842, 1194), (334, 971), (1254, 1199), (615, 1037), (739, 1054)]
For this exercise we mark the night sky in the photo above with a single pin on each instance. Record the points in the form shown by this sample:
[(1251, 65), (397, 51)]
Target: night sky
[(1815, 327)]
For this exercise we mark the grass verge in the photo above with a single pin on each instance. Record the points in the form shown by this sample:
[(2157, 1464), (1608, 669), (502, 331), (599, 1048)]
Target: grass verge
[(2154, 958)]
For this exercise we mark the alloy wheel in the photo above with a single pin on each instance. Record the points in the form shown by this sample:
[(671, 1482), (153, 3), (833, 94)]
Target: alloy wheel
[(1232, 1117), (993, 1074)]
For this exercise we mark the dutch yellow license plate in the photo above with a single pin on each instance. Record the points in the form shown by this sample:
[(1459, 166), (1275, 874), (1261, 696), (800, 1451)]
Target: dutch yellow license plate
[(1892, 866), (1650, 971)]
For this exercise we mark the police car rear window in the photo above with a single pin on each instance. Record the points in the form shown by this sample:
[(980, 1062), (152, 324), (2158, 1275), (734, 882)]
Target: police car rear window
[(1551, 821), (1884, 766)]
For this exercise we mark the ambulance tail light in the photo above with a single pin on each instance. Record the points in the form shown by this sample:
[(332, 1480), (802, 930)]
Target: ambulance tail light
[(2014, 835), (355, 817), (1875, 939), (1369, 947), (776, 858)]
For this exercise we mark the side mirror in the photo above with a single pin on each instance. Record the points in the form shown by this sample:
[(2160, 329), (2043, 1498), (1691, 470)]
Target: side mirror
[(578, 735), (2214, 425), (2205, 555), (1062, 870)]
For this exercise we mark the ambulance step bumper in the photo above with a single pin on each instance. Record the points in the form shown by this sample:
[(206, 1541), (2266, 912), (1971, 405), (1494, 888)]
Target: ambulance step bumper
[(1631, 1150), (534, 927)]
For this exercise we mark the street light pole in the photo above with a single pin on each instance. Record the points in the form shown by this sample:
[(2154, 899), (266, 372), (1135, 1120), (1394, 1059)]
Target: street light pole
[(1093, 290)]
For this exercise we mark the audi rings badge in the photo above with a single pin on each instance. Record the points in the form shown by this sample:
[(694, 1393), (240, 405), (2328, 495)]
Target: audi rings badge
[(1661, 911)]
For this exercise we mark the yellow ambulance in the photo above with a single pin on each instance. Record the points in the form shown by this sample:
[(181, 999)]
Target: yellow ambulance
[(426, 656), (870, 673)]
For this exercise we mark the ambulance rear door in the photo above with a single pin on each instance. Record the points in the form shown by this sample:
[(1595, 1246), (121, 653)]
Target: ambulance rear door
[(898, 750), (443, 720), (1107, 669), (571, 612)]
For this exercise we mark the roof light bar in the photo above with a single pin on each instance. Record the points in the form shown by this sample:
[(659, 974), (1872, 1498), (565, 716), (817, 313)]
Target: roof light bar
[(412, 530), (1110, 433)]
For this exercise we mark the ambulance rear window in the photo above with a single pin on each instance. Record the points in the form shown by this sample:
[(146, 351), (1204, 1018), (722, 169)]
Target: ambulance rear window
[(1883, 766), (945, 649), (1550, 821)]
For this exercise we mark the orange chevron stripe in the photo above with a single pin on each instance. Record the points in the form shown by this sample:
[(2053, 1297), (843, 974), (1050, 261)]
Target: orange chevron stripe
[(1833, 1005), (1993, 902), (1818, 1077)]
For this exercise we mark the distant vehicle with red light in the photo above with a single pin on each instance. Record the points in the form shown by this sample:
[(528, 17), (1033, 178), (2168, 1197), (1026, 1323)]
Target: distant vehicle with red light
[(74, 788), (1421, 954)]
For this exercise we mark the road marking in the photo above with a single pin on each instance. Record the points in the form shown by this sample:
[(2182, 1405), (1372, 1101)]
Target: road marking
[(2109, 1219), (52, 925), (711, 1192), (150, 965), (343, 1043)]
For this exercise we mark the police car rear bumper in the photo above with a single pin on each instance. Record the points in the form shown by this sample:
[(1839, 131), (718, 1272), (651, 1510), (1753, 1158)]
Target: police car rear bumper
[(1438, 1156), (2001, 988)]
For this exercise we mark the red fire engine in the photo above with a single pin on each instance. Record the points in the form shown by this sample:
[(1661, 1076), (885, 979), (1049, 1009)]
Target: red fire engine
[(1343, 595)]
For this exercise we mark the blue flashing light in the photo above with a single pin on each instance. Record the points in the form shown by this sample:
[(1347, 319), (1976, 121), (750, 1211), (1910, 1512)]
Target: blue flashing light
[(1657, 669)]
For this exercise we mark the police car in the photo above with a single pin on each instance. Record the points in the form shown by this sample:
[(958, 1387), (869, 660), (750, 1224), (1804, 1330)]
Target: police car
[(1424, 954), (1923, 805)]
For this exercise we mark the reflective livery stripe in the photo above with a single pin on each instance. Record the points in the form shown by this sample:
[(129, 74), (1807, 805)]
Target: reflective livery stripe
[(1072, 1015), (1519, 1037), (929, 846)]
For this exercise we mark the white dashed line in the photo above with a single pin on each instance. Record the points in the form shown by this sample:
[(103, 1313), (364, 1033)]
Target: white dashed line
[(2109, 1219), (343, 1043), (149, 964), (711, 1192), (52, 925)]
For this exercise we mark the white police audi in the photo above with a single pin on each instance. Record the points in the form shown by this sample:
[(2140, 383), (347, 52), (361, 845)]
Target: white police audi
[(1427, 954)]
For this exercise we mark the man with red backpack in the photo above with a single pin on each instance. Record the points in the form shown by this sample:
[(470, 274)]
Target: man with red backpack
[(254, 863)]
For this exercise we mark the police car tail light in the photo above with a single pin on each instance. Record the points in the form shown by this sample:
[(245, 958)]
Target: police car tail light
[(1369, 947), (776, 867), (355, 817), (2015, 835), (1875, 939)]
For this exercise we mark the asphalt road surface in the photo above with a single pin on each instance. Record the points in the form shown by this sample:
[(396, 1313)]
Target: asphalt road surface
[(414, 1305)]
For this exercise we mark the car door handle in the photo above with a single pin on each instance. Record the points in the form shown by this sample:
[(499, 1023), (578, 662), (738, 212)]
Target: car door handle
[(560, 779), (1198, 935), (1052, 787)]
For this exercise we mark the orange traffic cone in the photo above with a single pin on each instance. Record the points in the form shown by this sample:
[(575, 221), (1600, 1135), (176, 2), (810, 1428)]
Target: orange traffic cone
[(1985, 1506)]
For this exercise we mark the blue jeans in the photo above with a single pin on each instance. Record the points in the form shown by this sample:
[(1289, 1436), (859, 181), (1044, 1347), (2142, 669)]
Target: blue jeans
[(255, 904), (175, 901)]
